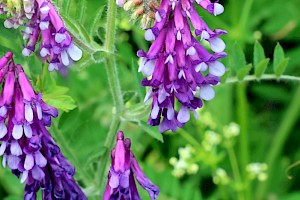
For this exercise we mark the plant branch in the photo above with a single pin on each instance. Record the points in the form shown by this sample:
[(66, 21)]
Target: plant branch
[(264, 77), (115, 88)]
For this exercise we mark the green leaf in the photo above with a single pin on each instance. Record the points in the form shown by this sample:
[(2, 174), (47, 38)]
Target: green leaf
[(278, 55), (280, 68), (258, 54), (244, 72), (69, 120), (261, 67), (237, 58), (63, 102), (153, 132)]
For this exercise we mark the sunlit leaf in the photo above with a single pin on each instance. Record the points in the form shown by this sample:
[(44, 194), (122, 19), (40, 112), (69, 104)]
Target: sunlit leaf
[(244, 72), (278, 55), (258, 54), (280, 67), (261, 67)]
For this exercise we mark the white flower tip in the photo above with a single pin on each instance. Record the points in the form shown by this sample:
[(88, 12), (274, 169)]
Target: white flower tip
[(3, 130), (217, 44), (52, 66), (44, 52), (29, 15), (65, 58), (59, 37), (149, 94), (178, 35), (148, 68), (120, 2), (207, 92), (26, 52), (17, 132), (181, 74), (217, 68), (24, 176), (28, 113), (28, 131), (155, 111), (44, 25), (218, 9), (8, 24), (157, 17), (169, 59), (205, 35), (201, 67), (149, 36), (74, 52), (170, 113), (183, 115), (45, 9), (191, 51)]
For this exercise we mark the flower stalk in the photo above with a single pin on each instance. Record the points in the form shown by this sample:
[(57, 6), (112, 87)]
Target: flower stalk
[(115, 88)]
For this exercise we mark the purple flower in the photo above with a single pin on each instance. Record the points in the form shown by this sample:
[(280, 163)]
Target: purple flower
[(124, 169), (178, 67), (43, 25), (26, 145)]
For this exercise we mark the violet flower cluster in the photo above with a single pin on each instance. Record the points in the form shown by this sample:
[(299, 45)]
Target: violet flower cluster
[(177, 65), (26, 145), (43, 25), (123, 172)]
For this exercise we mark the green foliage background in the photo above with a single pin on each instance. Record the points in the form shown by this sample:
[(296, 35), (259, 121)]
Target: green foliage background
[(253, 93)]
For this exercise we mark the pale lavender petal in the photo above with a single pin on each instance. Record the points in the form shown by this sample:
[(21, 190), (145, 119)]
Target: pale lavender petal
[(15, 149), (3, 129), (29, 162), (17, 132), (184, 114), (27, 131), (28, 113), (207, 92)]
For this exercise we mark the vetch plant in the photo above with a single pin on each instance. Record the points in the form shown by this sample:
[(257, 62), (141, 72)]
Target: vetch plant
[(235, 146)]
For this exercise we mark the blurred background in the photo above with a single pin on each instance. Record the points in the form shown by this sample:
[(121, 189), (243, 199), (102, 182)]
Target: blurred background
[(245, 144)]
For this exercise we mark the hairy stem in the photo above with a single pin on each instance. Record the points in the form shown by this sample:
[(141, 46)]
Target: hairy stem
[(115, 88), (264, 77)]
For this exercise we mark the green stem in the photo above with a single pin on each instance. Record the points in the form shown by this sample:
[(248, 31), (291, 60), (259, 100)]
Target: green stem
[(264, 77), (115, 88), (245, 15), (242, 110), (285, 127), (188, 138), (236, 171)]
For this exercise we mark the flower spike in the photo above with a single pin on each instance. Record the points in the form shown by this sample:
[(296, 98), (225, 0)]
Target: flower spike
[(26, 145), (177, 66), (124, 169), (43, 26)]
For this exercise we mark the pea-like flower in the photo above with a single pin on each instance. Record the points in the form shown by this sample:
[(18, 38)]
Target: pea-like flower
[(26, 145), (43, 26), (178, 67), (123, 172)]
